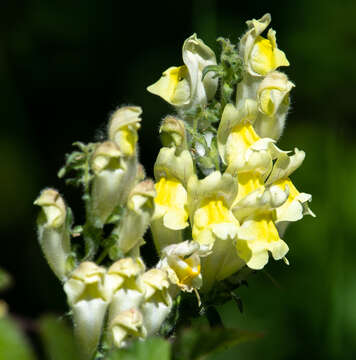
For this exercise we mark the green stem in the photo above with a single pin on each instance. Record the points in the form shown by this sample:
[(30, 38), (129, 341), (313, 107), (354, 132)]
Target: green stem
[(102, 256)]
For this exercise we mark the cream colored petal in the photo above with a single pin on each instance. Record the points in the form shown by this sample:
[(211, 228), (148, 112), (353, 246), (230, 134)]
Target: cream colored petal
[(173, 86), (215, 185), (231, 118), (170, 165), (196, 56), (286, 165)]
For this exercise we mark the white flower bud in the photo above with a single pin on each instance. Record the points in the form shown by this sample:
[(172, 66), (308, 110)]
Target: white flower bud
[(137, 215), (53, 234), (125, 285), (158, 302), (126, 326), (273, 103), (113, 179), (123, 126), (88, 299), (173, 133)]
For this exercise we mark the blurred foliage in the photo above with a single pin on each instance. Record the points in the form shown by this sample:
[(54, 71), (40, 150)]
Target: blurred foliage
[(65, 65), (13, 344), (5, 280), (57, 339), (151, 349), (197, 342)]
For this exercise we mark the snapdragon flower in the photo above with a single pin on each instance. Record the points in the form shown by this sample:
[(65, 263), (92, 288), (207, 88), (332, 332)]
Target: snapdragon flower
[(261, 55), (158, 301), (88, 298), (172, 173), (183, 265), (53, 232), (214, 225), (183, 86)]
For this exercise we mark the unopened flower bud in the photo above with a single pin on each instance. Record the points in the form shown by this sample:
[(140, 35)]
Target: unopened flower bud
[(123, 281), (158, 301), (113, 179), (173, 134), (127, 326), (273, 103), (88, 299), (53, 233), (137, 215), (123, 126)]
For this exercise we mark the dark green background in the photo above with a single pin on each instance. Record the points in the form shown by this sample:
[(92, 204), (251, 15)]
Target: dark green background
[(64, 65)]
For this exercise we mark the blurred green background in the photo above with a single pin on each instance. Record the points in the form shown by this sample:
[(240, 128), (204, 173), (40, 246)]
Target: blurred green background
[(64, 65)]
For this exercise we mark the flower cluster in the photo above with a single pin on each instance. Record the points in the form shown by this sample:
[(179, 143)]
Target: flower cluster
[(220, 203), (221, 174), (111, 294)]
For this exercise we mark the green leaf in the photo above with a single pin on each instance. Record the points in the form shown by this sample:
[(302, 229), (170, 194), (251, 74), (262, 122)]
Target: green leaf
[(5, 280), (58, 339), (196, 343), (13, 343), (153, 348)]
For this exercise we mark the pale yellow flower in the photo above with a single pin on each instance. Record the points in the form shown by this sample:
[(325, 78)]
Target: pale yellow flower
[(261, 55), (257, 236), (172, 172), (182, 263), (214, 225), (182, 86)]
